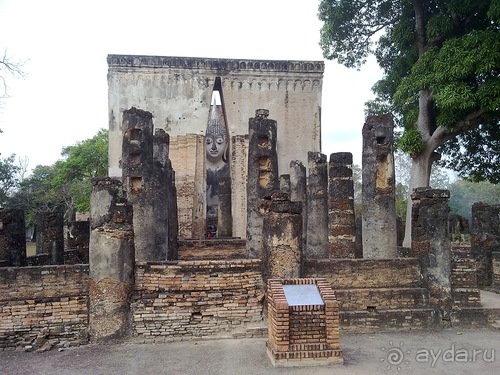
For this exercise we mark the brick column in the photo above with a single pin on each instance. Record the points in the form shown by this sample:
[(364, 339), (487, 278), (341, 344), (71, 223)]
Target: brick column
[(341, 222), (282, 237)]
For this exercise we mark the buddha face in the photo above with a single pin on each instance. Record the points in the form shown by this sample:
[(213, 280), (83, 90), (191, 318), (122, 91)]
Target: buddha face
[(215, 147)]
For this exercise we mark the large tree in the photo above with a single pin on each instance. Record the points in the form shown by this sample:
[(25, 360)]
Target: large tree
[(441, 62)]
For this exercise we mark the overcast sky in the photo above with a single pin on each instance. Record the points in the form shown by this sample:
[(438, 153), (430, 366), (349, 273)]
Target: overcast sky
[(63, 98)]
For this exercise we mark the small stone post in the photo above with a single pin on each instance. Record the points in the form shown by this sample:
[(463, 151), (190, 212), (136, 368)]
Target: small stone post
[(12, 237), (341, 222), (317, 207), (282, 242), (378, 192), (111, 261), (263, 176), (431, 244), (485, 239)]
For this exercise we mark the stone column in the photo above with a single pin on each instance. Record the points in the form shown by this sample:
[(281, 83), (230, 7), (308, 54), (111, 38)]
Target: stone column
[(111, 261), (485, 238), (298, 193), (378, 192), (341, 222), (145, 168), (263, 176), (12, 237), (78, 238), (431, 244), (282, 240), (317, 207), (49, 228), (225, 218)]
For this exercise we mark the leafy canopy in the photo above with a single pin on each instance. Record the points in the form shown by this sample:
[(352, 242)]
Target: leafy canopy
[(450, 49)]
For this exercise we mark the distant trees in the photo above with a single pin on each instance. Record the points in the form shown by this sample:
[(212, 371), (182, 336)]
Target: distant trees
[(65, 185)]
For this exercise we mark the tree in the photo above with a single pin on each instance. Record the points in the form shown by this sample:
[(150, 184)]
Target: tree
[(8, 177), (65, 185), (441, 62), (9, 67), (463, 194)]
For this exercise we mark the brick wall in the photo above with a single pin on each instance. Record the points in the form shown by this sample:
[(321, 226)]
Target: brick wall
[(465, 292), (42, 307), (195, 298)]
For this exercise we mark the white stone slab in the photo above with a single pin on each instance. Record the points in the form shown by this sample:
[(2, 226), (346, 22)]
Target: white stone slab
[(302, 295)]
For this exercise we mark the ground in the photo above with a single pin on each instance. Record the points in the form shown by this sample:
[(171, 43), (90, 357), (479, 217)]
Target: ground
[(449, 351)]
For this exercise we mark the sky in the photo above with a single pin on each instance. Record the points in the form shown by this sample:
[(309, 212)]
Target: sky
[(64, 44)]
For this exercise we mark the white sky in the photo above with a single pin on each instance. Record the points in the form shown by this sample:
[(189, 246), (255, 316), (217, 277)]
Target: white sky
[(63, 99)]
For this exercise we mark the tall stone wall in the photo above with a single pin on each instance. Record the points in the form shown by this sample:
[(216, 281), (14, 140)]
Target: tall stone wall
[(43, 307), (187, 153)]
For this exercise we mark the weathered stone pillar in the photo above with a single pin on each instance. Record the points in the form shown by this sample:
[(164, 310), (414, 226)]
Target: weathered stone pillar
[(431, 244), (341, 221), (225, 218), (298, 193), (317, 207), (378, 192), (496, 271), (78, 238), (485, 238), (173, 217), (145, 176), (12, 237), (282, 240), (239, 166), (111, 261), (263, 176), (49, 228)]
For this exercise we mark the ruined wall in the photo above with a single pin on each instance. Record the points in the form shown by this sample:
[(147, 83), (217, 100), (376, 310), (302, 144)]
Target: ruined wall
[(195, 298), (41, 307), (177, 91)]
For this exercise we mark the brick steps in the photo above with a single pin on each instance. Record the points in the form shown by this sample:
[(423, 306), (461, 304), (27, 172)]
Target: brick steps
[(388, 320), (382, 298)]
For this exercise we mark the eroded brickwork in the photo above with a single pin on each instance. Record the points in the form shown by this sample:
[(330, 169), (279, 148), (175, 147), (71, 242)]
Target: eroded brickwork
[(43, 307), (195, 298), (496, 271)]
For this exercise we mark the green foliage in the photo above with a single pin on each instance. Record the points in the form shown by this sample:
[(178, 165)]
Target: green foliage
[(8, 177), (449, 49), (463, 194), (65, 185)]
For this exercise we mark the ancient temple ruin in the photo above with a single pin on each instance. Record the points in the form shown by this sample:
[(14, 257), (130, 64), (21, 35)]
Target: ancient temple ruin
[(217, 191)]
